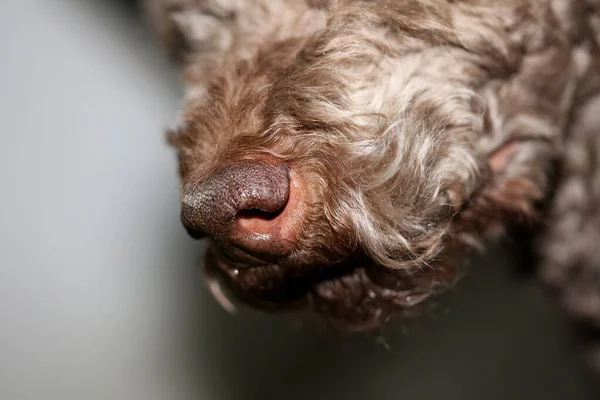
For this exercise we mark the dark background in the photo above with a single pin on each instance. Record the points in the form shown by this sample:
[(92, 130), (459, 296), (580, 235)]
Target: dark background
[(99, 293)]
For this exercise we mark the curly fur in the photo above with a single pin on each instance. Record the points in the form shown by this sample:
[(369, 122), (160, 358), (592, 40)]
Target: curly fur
[(419, 128)]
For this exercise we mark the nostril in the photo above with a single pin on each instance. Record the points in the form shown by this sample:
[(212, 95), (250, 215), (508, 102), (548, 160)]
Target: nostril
[(254, 218), (257, 213), (258, 222), (270, 234)]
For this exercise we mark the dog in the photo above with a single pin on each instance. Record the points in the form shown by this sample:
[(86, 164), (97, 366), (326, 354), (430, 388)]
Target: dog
[(346, 157)]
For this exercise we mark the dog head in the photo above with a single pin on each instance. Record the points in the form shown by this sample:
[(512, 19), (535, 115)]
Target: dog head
[(335, 155)]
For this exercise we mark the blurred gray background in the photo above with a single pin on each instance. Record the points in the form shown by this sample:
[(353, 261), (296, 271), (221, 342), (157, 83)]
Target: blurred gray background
[(99, 292)]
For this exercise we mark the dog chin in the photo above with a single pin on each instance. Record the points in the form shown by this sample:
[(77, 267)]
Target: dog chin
[(354, 295)]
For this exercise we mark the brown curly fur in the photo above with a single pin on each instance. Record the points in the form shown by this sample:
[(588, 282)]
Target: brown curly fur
[(418, 128)]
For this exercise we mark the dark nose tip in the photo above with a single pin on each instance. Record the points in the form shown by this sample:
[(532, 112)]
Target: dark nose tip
[(239, 191)]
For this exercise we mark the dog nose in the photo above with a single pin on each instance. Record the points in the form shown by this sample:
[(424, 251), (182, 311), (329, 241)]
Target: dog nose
[(240, 205)]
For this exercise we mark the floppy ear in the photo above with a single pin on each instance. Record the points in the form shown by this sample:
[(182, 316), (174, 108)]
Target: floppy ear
[(527, 115)]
